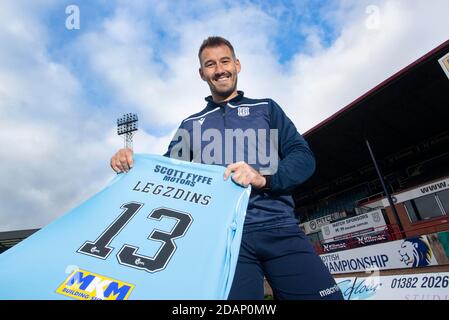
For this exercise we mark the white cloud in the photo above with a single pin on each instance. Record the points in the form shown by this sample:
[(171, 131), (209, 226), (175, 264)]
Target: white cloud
[(317, 82), (55, 145), (165, 96), (361, 57)]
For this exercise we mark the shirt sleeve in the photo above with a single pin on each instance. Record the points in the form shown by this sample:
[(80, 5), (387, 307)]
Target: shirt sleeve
[(296, 160)]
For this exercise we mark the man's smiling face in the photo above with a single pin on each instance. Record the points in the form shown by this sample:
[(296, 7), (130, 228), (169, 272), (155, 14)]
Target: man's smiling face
[(219, 68)]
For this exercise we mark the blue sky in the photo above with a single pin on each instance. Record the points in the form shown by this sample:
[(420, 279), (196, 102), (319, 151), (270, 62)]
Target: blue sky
[(291, 20), (61, 90)]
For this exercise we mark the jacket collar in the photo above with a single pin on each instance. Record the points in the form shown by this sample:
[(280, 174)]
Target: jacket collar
[(211, 103)]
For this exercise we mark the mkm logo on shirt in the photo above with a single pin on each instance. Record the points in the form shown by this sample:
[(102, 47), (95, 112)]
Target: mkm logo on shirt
[(85, 285)]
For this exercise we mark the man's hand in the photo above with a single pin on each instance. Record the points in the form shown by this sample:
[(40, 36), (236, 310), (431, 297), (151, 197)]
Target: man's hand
[(122, 161), (245, 175)]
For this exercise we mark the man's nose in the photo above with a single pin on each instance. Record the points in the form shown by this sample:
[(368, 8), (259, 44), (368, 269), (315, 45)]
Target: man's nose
[(219, 69)]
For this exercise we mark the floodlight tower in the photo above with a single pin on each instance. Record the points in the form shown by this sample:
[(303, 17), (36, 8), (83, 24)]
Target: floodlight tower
[(127, 125)]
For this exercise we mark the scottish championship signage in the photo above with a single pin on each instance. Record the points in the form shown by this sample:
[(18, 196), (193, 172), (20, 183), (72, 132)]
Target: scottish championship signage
[(167, 229), (405, 253)]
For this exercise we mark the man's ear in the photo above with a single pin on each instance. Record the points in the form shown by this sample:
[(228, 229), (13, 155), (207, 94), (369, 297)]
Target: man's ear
[(238, 65), (200, 70)]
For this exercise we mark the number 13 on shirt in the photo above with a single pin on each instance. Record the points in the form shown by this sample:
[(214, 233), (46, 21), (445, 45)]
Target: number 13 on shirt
[(128, 254)]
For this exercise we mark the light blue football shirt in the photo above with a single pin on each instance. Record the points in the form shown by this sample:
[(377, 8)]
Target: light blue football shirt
[(167, 229)]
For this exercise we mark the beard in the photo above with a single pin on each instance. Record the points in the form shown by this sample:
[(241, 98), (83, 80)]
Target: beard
[(223, 92)]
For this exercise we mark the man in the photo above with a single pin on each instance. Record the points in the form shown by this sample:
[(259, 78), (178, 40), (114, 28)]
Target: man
[(272, 245)]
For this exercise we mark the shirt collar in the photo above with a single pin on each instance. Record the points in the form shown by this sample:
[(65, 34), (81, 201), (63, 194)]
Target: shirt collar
[(210, 101)]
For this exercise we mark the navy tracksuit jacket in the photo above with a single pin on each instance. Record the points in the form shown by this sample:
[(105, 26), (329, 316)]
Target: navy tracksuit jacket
[(273, 206), (281, 253)]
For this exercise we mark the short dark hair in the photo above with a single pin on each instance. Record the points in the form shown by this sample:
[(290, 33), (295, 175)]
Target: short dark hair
[(215, 41)]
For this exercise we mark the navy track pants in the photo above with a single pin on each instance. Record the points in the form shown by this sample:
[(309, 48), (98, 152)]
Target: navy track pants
[(288, 261)]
